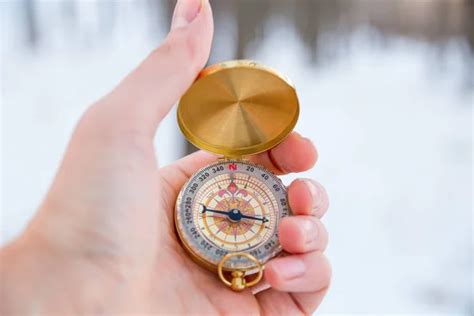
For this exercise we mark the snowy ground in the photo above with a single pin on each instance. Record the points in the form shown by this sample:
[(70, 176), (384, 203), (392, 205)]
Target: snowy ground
[(394, 131)]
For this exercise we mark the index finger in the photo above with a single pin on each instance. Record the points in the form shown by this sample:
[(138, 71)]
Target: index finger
[(295, 154)]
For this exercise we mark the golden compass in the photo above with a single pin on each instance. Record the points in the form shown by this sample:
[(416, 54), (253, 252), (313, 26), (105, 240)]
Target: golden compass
[(227, 214)]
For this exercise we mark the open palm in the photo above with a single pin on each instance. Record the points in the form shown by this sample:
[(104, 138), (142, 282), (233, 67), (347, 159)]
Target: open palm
[(104, 240)]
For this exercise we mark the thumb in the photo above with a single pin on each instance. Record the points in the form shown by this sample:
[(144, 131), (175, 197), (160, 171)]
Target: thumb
[(147, 94), (102, 185)]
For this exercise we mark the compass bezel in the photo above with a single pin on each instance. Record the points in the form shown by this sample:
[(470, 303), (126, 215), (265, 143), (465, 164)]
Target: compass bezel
[(283, 211)]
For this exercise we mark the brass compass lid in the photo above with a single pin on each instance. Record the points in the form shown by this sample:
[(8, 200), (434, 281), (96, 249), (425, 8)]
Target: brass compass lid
[(238, 108)]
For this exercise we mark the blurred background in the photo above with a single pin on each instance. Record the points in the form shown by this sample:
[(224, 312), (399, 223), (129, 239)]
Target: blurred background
[(386, 88)]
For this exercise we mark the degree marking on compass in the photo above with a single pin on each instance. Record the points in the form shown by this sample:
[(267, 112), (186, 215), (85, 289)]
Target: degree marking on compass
[(226, 233), (246, 204), (243, 234), (219, 230), (213, 224), (216, 182), (247, 182), (263, 198)]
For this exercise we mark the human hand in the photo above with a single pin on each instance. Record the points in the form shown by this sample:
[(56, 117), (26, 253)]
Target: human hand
[(103, 240)]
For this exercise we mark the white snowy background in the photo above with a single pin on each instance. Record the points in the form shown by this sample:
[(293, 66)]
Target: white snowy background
[(393, 124)]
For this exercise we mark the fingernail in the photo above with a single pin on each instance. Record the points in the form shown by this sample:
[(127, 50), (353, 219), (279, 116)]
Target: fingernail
[(290, 268), (301, 137), (315, 193), (310, 230), (309, 140), (185, 12)]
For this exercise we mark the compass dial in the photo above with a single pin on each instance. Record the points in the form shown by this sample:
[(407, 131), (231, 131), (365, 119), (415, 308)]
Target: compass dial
[(231, 206)]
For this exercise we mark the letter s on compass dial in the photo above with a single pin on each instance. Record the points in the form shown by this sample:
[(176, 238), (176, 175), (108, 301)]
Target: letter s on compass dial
[(231, 206)]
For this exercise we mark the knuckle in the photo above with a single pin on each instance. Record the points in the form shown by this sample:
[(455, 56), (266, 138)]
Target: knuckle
[(179, 45), (272, 277), (325, 271), (320, 198), (314, 235), (319, 271), (323, 237)]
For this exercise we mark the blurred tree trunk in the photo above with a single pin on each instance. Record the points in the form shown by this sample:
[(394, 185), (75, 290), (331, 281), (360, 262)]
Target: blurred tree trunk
[(30, 22)]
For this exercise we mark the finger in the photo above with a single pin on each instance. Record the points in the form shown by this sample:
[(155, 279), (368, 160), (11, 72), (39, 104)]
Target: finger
[(294, 154), (300, 234), (300, 148), (147, 94), (274, 302), (308, 302), (261, 286), (308, 197), (294, 144), (308, 272)]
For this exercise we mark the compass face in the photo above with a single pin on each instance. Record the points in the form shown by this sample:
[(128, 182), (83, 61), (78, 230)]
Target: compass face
[(231, 206)]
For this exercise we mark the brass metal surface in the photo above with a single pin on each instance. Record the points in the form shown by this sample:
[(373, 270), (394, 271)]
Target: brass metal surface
[(238, 108), (238, 282)]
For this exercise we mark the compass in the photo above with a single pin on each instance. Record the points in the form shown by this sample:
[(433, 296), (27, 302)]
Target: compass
[(227, 214)]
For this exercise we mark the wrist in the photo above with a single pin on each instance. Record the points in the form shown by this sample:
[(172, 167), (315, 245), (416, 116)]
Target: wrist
[(36, 279)]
